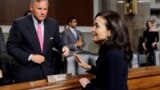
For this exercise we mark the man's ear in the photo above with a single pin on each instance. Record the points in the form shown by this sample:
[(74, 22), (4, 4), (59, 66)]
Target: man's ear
[(31, 8)]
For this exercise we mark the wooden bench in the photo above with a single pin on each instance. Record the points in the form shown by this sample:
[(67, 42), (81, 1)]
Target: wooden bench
[(145, 78)]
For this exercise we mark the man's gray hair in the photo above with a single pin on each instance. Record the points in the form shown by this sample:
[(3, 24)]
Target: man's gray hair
[(32, 1)]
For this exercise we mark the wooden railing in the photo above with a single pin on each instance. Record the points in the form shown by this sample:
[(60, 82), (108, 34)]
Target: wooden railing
[(145, 78)]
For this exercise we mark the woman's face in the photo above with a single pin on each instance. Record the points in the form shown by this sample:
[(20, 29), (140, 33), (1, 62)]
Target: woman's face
[(149, 24), (99, 30)]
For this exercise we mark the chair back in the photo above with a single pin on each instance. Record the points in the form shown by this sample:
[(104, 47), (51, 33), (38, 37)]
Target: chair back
[(73, 67)]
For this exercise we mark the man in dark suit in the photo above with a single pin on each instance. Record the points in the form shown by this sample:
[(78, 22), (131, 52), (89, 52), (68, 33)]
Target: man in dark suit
[(73, 37), (30, 42)]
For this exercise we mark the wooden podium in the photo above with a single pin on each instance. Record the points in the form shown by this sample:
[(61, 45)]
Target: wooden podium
[(145, 78)]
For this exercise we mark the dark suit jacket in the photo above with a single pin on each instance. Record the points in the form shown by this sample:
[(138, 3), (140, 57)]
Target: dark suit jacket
[(5, 62), (2, 46), (70, 40), (23, 41), (111, 71), (2, 42)]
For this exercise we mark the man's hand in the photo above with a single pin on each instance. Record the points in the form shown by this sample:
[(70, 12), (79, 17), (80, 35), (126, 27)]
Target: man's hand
[(36, 58), (65, 51), (79, 43), (1, 74)]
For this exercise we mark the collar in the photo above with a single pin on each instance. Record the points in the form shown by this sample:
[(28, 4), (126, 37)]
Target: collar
[(72, 29), (35, 21)]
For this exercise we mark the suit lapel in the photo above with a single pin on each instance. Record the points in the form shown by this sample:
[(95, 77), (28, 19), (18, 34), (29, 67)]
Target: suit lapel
[(77, 33), (72, 35), (33, 33), (46, 35)]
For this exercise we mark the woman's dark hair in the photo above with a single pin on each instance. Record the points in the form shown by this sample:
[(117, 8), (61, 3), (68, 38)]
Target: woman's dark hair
[(119, 32)]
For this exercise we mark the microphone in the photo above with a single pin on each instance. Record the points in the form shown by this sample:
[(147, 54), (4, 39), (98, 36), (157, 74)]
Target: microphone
[(62, 57), (54, 49)]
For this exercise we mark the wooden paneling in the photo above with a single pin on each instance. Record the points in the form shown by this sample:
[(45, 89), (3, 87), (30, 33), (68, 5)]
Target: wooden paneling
[(81, 9), (58, 9), (10, 9)]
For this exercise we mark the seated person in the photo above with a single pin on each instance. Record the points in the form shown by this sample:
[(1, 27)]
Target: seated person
[(1, 73), (1, 38), (73, 37), (66, 27), (5, 63)]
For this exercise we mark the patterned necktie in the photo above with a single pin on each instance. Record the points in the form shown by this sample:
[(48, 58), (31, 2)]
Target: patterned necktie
[(39, 33)]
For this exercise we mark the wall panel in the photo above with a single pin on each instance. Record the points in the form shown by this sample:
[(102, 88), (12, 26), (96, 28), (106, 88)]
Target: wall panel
[(58, 9)]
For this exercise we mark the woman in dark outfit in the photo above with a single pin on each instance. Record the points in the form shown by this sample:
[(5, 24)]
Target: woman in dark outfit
[(150, 40), (111, 68)]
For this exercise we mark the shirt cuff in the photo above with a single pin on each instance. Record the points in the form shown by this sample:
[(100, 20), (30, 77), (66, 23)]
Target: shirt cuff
[(30, 57)]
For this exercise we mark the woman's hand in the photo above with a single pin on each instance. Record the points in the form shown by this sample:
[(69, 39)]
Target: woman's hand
[(144, 47), (154, 44), (82, 63), (84, 82)]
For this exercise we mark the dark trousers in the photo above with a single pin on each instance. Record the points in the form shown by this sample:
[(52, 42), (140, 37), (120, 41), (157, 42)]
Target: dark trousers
[(150, 59)]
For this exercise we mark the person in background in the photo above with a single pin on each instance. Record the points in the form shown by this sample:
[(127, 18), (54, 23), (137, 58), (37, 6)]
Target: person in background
[(111, 70), (2, 49), (66, 27), (1, 73), (150, 40), (73, 37), (5, 63), (30, 43)]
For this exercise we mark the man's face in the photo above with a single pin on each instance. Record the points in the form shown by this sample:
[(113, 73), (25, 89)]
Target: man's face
[(39, 10), (73, 24)]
